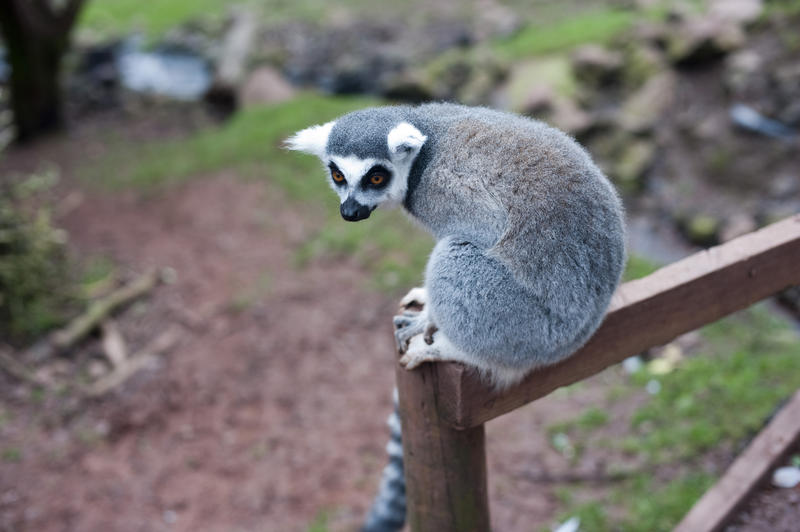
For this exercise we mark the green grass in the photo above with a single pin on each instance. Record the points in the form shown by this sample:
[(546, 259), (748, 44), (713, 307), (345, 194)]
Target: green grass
[(388, 245), (154, 18), (110, 17), (320, 522), (12, 454), (250, 144), (715, 399), (593, 26), (723, 394), (654, 508), (638, 267)]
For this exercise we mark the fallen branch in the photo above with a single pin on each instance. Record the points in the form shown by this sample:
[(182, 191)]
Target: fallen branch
[(98, 311), (145, 358), (113, 343), (102, 308)]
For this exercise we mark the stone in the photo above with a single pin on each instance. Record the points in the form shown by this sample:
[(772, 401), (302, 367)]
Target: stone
[(496, 21), (568, 117), (641, 63), (737, 225), (644, 109), (597, 66), (786, 477), (737, 11), (539, 101), (544, 75), (467, 75), (699, 40), (406, 86), (740, 67), (701, 229), (633, 162), (265, 85)]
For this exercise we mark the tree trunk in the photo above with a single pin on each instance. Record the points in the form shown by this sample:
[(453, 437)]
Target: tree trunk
[(36, 38), (35, 88)]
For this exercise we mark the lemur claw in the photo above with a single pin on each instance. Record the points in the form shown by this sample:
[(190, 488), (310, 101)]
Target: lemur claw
[(410, 324), (430, 329)]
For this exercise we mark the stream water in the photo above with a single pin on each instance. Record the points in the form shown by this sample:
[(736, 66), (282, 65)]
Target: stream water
[(176, 73)]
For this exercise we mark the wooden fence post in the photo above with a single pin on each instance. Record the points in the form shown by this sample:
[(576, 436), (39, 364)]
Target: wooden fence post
[(445, 468)]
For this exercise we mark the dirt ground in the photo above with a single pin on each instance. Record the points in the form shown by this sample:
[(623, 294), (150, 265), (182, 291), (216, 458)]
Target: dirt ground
[(269, 413)]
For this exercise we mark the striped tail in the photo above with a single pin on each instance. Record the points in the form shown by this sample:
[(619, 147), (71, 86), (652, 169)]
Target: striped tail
[(388, 511)]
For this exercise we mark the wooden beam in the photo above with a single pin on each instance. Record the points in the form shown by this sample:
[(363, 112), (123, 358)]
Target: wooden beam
[(644, 313), (444, 468), (750, 469)]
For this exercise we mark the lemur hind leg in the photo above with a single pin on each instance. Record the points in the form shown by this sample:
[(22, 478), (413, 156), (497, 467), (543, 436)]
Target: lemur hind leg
[(440, 349)]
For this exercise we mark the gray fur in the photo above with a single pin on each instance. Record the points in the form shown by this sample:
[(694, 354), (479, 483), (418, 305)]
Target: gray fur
[(530, 238)]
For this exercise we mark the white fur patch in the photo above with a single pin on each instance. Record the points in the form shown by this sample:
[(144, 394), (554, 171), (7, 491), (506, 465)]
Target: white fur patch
[(405, 140), (311, 140), (353, 169)]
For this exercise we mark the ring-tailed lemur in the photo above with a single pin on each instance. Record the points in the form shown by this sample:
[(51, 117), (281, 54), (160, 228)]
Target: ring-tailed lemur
[(529, 235)]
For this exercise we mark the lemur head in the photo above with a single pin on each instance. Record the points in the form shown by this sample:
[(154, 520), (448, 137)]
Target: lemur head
[(368, 155)]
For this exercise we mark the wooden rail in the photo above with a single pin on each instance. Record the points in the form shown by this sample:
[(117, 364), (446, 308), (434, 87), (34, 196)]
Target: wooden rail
[(443, 406)]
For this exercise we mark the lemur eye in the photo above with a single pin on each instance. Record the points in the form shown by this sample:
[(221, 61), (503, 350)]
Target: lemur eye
[(377, 179), (337, 176)]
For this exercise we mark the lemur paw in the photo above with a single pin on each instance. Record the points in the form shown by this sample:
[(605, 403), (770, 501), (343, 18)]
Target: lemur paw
[(407, 325), (416, 297)]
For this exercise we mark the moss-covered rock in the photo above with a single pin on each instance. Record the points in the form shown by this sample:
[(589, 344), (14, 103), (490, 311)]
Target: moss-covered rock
[(701, 229), (634, 160), (597, 66), (644, 109)]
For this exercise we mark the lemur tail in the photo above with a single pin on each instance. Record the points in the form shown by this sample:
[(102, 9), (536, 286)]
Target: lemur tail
[(388, 511)]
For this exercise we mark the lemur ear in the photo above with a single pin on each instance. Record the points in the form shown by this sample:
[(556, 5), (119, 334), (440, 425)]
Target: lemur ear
[(311, 140), (405, 141)]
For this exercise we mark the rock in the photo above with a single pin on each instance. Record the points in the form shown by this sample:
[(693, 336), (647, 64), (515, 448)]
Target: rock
[(786, 477), (710, 128), (737, 225), (784, 186), (406, 86), (701, 229), (496, 21), (632, 165), (539, 101), (644, 109), (702, 39), (263, 86), (466, 75), (641, 63), (740, 67), (596, 66), (736, 11), (528, 80), (567, 116)]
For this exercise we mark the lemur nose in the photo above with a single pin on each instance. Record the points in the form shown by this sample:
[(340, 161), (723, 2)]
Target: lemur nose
[(353, 211)]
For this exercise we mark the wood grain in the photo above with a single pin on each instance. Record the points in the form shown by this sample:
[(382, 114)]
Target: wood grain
[(750, 469), (445, 468), (644, 313)]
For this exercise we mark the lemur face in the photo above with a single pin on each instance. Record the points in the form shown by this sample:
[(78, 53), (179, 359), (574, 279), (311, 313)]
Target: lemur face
[(364, 183)]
